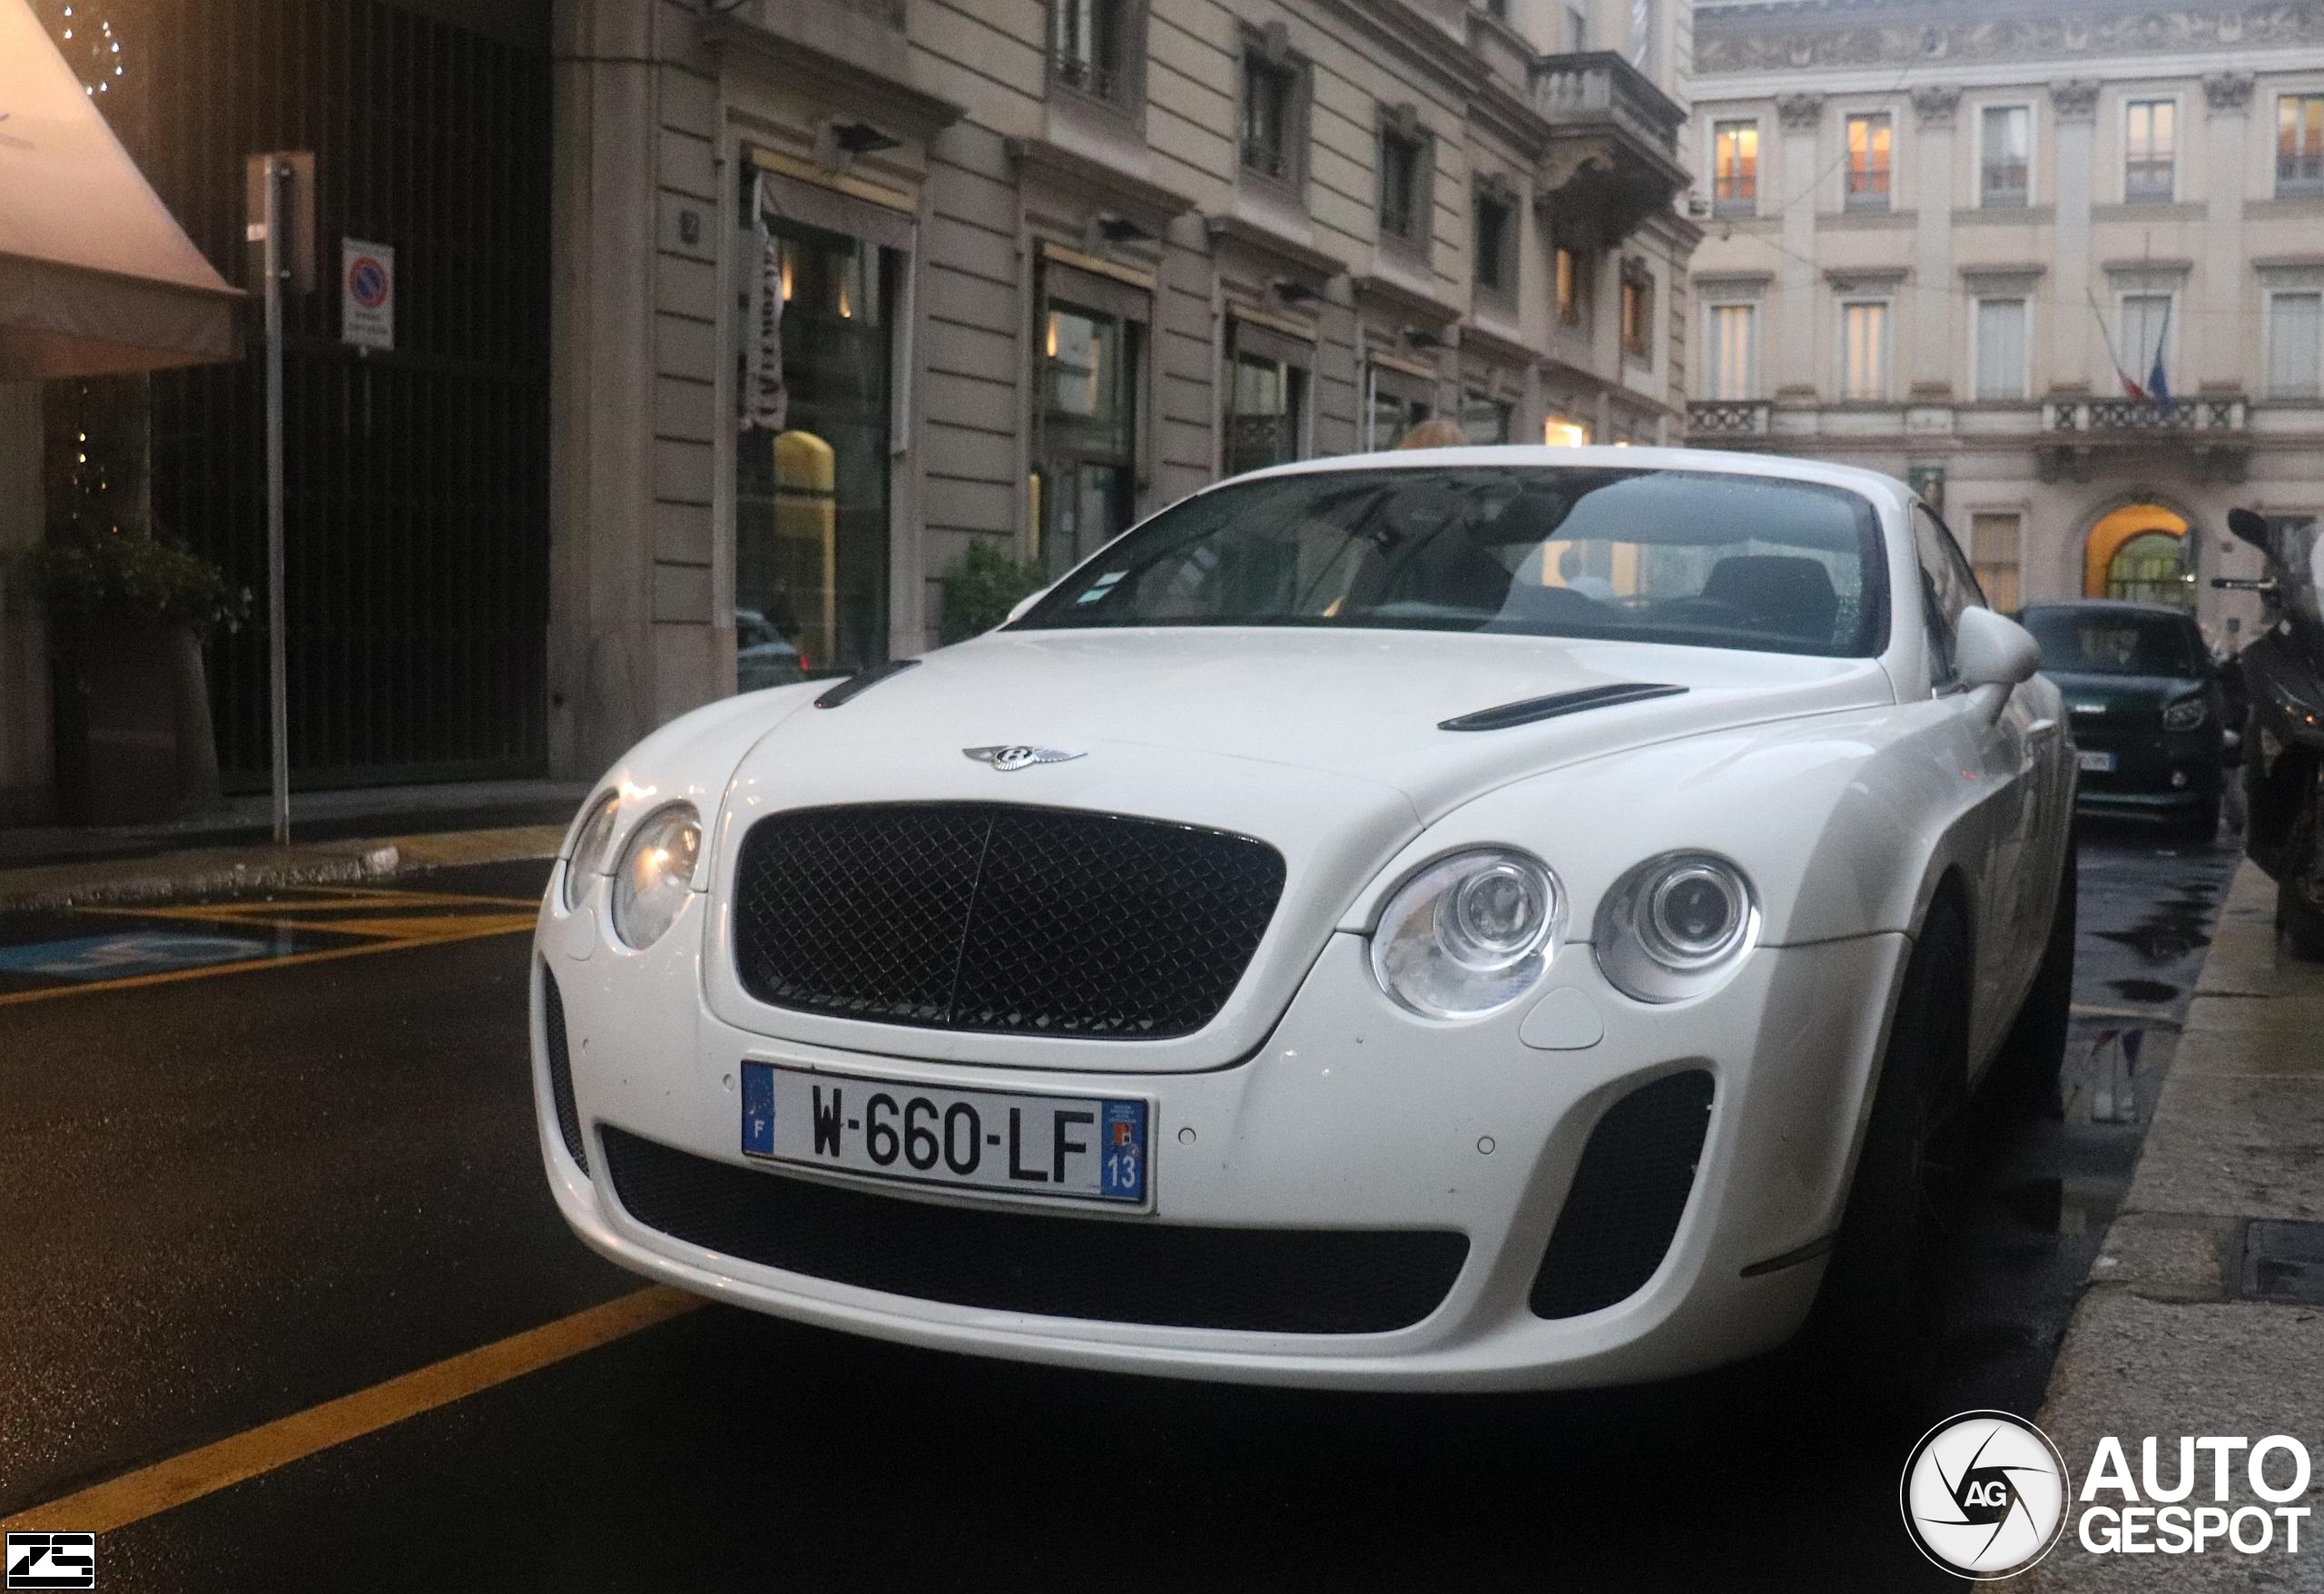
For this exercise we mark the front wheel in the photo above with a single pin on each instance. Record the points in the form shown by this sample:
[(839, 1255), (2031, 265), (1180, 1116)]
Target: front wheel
[(1876, 1323)]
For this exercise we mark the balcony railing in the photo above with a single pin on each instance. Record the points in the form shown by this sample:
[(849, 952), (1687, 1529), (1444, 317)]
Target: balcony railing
[(1728, 418), (1598, 86), (2103, 418)]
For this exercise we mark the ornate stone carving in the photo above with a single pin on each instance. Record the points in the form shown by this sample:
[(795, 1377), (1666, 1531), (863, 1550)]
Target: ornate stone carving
[(1800, 112), (2227, 91), (1877, 33), (2075, 99), (1935, 102)]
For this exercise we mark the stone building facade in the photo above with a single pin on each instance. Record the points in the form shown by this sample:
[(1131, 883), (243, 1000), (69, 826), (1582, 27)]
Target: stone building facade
[(2062, 264), (843, 287)]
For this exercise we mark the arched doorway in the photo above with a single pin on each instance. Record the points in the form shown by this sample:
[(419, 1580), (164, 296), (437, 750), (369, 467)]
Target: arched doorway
[(2138, 552)]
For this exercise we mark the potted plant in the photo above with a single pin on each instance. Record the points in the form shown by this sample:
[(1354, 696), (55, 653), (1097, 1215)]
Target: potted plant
[(980, 590), (127, 618)]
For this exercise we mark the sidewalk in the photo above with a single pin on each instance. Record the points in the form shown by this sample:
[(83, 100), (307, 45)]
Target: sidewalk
[(2194, 1322), (338, 837)]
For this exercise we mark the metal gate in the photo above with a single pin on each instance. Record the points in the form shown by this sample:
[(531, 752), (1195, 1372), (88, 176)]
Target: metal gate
[(417, 479)]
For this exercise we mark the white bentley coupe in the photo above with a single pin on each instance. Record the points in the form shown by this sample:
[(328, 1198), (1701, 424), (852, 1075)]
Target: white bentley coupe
[(1479, 917)]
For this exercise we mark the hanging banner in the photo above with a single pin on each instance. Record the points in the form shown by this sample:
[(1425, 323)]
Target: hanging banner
[(765, 401)]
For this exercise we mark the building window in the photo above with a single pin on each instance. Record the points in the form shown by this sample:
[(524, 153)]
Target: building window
[(1484, 419), (811, 460), (2300, 144), (1992, 555), (1398, 402), (1275, 116), (1096, 45), (2007, 132), (1638, 311), (2296, 345), (1735, 168), (1089, 430), (1864, 350), (2001, 349), (2149, 151), (1573, 288), (1734, 351), (1871, 147), (1404, 187), (2142, 323), (1496, 242), (1577, 29), (1266, 402)]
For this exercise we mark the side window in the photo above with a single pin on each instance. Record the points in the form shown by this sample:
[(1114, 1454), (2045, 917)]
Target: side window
[(1947, 587)]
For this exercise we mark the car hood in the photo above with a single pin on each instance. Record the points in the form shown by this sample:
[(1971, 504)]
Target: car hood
[(1326, 746), (2107, 702), (1360, 705)]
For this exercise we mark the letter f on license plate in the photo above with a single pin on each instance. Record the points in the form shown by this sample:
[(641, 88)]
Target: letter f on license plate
[(1090, 1149)]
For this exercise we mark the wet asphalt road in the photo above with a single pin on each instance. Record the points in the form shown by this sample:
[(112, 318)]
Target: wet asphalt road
[(230, 1198)]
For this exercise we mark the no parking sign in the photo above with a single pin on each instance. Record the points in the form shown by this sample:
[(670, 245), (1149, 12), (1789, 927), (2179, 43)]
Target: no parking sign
[(367, 294)]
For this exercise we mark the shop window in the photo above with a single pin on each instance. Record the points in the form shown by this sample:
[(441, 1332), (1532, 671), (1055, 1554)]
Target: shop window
[(812, 463), (1088, 446), (1486, 419), (1266, 402), (1398, 402)]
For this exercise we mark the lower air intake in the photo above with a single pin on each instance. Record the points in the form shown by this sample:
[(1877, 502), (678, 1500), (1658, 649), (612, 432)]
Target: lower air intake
[(560, 1071), (1626, 1198)]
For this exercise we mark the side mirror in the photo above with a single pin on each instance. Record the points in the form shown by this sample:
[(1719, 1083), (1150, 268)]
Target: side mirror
[(1024, 604), (1993, 650), (2251, 527)]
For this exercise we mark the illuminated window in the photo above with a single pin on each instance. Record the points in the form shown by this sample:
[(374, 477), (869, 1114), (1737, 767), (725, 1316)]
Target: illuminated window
[(1735, 168), (2299, 144), (1871, 147)]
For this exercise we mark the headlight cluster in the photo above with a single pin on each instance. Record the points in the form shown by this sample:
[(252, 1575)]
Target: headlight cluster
[(588, 857), (1468, 934), (2186, 714), (1675, 927), (656, 874), (1472, 932)]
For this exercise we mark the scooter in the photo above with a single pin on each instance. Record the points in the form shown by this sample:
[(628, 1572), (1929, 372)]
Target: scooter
[(2283, 733)]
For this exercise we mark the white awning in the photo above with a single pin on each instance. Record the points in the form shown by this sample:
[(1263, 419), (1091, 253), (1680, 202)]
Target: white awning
[(96, 274)]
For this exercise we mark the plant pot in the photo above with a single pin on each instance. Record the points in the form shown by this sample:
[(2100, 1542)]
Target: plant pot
[(134, 738)]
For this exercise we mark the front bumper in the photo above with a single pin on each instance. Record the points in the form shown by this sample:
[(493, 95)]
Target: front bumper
[(2159, 774), (1353, 1115)]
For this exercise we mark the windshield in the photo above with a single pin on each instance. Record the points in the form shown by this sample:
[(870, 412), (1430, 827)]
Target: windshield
[(1696, 558), (2101, 642)]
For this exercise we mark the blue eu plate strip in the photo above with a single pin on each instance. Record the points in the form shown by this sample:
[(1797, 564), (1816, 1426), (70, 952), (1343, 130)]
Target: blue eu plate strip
[(758, 1110), (1122, 1151)]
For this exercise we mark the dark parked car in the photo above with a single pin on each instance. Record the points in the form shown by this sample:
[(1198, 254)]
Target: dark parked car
[(2149, 712)]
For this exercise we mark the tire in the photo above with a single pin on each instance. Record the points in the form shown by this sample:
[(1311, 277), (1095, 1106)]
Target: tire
[(1873, 1335), (2024, 1074), (2299, 924)]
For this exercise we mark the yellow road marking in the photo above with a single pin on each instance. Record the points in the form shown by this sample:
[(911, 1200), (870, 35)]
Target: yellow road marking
[(211, 970), (417, 926), (150, 1491)]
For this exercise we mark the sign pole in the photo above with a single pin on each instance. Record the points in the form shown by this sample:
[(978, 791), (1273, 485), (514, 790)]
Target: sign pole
[(277, 653)]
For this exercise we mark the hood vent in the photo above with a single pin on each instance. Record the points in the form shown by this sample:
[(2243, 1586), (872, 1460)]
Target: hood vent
[(862, 681), (1525, 711)]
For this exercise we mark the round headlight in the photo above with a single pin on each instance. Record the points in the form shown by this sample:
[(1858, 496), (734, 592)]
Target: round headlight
[(588, 856), (656, 874), (1676, 926), (1469, 934)]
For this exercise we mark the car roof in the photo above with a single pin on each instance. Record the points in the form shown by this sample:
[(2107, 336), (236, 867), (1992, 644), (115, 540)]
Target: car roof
[(2111, 606), (1871, 483)]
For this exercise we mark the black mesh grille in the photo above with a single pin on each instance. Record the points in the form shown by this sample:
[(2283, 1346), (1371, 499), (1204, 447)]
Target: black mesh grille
[(1277, 1281), (1627, 1196), (560, 1069), (992, 917)]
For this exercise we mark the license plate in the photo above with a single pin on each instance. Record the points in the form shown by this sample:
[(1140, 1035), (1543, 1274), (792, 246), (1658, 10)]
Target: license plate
[(2098, 763), (1091, 1148)]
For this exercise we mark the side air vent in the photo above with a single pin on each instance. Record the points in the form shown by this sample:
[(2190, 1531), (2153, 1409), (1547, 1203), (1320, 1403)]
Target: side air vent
[(1526, 711), (1628, 1196), (560, 1071)]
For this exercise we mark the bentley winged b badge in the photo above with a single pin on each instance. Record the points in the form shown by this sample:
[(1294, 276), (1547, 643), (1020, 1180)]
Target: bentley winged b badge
[(1017, 756)]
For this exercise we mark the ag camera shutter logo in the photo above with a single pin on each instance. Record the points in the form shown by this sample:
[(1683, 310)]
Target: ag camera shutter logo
[(1984, 1495)]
